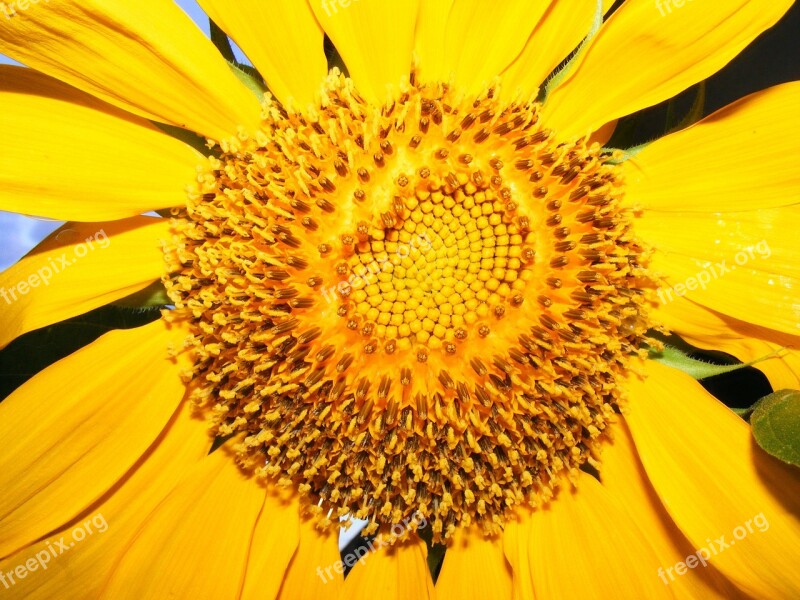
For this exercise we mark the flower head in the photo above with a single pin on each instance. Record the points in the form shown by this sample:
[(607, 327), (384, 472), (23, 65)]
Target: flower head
[(421, 294)]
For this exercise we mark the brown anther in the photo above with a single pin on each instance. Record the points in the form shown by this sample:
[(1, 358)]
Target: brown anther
[(478, 366), (309, 224), (422, 355), (524, 164), (325, 205), (496, 163), (465, 158), (460, 333), (484, 330), (363, 175), (299, 205), (276, 275), (359, 195), (402, 181), (565, 246), (297, 262), (327, 184), (549, 322), (323, 249), (442, 153), (424, 172), (561, 232), (481, 136), (341, 168), (554, 220)]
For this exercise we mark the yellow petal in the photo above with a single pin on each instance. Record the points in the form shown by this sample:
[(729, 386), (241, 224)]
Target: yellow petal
[(70, 156), (710, 330), (649, 51), (317, 552), (375, 39), (396, 572), (471, 23), (195, 544), (429, 40), (582, 545), (623, 476), (475, 568), (282, 39), (517, 549), (147, 57), (79, 267), (559, 32), (743, 157), (275, 540), (742, 264), (70, 433), (81, 571), (724, 492)]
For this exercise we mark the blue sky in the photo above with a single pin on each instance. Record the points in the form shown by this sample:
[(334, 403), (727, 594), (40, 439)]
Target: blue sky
[(20, 234)]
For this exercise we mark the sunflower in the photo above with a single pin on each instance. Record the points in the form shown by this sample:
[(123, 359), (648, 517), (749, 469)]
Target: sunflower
[(418, 293)]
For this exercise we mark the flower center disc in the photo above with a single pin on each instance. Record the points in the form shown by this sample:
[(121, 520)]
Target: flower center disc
[(424, 306)]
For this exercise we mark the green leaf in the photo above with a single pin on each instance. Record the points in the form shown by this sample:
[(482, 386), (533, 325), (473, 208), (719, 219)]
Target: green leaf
[(776, 425)]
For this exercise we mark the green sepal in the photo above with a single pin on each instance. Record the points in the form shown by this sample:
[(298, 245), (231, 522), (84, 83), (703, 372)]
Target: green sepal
[(220, 39), (250, 78), (695, 113), (154, 294), (775, 420), (677, 359), (189, 138), (562, 73)]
